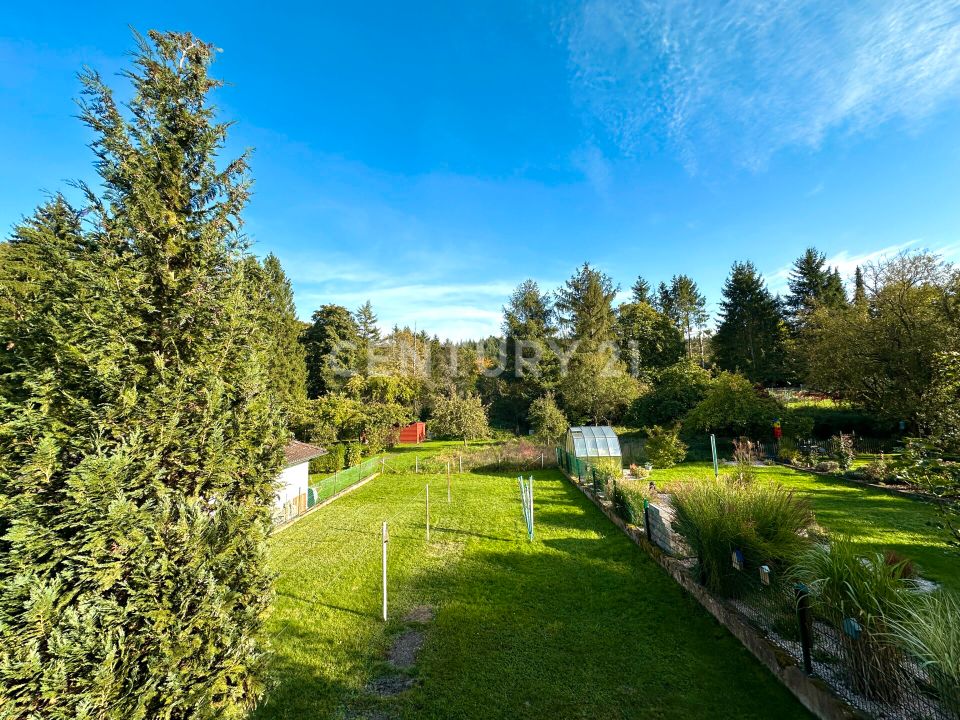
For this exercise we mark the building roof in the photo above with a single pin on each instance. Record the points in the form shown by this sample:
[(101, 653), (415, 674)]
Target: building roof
[(296, 452), (591, 441)]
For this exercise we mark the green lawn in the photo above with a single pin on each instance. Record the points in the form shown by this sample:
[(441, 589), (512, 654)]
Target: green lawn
[(875, 519), (578, 624)]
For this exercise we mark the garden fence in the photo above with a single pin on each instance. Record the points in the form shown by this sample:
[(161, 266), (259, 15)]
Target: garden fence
[(320, 489), (864, 668), (580, 468)]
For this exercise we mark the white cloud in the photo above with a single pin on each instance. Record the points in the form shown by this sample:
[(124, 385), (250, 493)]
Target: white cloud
[(744, 79), (847, 262)]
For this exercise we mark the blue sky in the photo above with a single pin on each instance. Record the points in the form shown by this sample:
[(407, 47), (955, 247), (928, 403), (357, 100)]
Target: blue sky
[(430, 156)]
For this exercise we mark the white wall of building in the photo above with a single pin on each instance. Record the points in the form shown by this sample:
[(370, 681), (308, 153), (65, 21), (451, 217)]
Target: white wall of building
[(292, 482)]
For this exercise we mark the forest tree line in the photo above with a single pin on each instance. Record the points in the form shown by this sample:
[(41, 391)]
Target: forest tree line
[(887, 346)]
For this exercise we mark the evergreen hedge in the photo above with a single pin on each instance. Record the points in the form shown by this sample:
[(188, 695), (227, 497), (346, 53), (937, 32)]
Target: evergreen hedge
[(139, 433)]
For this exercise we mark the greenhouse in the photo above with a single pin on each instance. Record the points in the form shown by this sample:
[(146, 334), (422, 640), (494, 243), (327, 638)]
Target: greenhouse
[(590, 443)]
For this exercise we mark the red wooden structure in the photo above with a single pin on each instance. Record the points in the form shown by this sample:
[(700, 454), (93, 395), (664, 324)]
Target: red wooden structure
[(413, 433)]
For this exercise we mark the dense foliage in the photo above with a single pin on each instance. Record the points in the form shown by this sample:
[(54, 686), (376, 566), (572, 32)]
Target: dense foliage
[(141, 404)]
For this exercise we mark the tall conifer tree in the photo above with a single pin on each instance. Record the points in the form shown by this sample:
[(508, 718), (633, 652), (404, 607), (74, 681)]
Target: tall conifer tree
[(139, 436), (751, 335)]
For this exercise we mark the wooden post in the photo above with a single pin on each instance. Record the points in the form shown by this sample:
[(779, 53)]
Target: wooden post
[(541, 461), (385, 538), (428, 513)]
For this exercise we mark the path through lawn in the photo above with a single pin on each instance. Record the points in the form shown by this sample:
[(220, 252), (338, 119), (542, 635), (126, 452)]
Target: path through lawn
[(578, 624)]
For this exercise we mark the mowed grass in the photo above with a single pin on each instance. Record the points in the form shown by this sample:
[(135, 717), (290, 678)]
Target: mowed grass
[(579, 623), (874, 519)]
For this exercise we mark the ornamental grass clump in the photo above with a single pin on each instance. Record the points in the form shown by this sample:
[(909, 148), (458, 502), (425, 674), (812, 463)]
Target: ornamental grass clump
[(861, 597), (928, 628), (767, 523)]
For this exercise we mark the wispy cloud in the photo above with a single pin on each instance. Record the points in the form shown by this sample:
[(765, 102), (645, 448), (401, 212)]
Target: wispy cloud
[(847, 262), (746, 79)]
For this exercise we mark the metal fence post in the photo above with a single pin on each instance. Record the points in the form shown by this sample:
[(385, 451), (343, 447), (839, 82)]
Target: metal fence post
[(646, 519), (385, 538), (804, 620)]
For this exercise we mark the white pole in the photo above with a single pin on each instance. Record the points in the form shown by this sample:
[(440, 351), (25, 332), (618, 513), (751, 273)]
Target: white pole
[(461, 464), (385, 538), (531, 507), (448, 483), (428, 513)]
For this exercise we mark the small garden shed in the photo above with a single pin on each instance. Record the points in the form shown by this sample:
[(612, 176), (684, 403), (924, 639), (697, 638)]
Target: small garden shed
[(415, 432), (592, 443), (291, 497)]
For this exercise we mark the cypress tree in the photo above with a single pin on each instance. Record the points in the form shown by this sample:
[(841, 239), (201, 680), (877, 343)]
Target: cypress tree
[(286, 359), (139, 435)]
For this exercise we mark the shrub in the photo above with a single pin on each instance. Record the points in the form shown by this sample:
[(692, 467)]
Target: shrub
[(547, 420), (827, 466), (336, 458), (863, 594), (354, 454), (841, 450), (732, 406), (927, 628), (639, 472), (456, 417), (607, 470), (677, 389), (745, 454), (766, 522), (877, 471), (787, 451), (664, 448)]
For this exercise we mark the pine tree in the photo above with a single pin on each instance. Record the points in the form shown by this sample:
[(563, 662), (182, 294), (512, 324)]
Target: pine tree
[(333, 345), (531, 366), (812, 284), (751, 335), (366, 321), (689, 307), (641, 291), (585, 306), (859, 289), (138, 434)]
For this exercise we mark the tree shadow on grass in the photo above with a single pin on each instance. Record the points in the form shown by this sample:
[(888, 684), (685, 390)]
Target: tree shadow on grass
[(580, 628)]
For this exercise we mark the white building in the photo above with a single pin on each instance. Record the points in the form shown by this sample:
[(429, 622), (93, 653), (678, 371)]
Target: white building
[(292, 483)]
